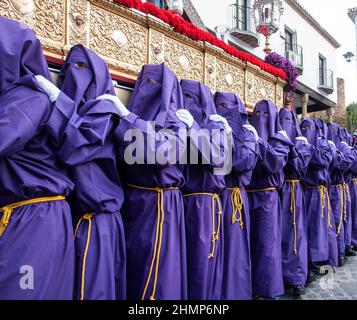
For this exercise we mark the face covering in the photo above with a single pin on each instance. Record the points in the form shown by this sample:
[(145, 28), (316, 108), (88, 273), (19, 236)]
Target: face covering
[(265, 119), (229, 106), (157, 95), (309, 131), (288, 123), (198, 101)]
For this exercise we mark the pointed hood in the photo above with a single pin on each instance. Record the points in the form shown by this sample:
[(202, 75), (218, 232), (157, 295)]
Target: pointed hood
[(198, 100), (20, 53)]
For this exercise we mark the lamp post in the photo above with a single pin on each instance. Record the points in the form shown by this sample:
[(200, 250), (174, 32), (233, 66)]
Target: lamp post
[(267, 15)]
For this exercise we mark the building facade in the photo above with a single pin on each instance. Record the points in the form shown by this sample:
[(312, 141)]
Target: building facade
[(300, 38)]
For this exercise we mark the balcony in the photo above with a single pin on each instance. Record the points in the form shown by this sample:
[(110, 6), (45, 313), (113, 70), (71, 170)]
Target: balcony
[(243, 25), (326, 80), (294, 53)]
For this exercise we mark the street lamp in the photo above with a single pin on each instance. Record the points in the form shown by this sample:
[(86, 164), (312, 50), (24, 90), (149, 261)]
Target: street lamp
[(267, 15), (348, 56)]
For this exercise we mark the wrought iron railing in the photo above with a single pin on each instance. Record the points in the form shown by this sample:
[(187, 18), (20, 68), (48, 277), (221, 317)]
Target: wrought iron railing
[(294, 53), (241, 18)]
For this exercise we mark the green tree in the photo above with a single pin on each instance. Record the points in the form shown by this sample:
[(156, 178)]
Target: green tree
[(352, 117)]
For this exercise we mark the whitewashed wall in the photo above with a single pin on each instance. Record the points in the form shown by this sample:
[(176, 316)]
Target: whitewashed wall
[(214, 12)]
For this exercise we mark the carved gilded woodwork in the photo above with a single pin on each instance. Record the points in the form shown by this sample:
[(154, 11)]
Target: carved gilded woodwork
[(128, 39)]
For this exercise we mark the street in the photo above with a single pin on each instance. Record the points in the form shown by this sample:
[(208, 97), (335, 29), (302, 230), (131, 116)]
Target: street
[(338, 285)]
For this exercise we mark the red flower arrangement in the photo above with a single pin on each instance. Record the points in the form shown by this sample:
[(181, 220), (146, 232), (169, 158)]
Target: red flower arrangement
[(182, 26)]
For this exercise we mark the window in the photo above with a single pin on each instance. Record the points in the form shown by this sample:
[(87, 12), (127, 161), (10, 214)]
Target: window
[(289, 40), (322, 69), (243, 14)]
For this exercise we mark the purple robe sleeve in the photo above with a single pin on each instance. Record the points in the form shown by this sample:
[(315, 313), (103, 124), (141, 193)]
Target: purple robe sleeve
[(322, 155), (217, 148), (346, 157), (244, 152), (80, 137), (354, 163), (170, 136), (22, 113), (273, 156), (299, 158)]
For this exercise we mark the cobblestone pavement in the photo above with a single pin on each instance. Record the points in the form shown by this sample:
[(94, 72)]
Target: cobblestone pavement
[(338, 285)]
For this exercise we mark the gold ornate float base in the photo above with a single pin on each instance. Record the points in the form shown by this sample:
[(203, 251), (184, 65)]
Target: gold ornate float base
[(128, 39)]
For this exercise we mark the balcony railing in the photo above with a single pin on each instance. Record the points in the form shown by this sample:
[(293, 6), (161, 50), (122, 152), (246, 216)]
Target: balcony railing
[(326, 80), (294, 53), (243, 25)]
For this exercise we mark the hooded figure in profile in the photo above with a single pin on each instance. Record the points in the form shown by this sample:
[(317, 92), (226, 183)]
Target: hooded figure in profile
[(36, 233), (203, 210), (153, 209), (265, 209), (349, 189), (352, 174), (294, 225), (339, 190), (320, 223), (237, 280), (80, 124)]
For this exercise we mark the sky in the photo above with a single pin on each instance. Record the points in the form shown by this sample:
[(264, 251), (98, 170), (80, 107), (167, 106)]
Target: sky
[(332, 15)]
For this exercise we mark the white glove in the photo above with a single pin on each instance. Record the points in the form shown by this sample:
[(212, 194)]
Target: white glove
[(122, 110), (332, 144), (303, 139), (283, 132), (218, 118), (344, 142), (185, 117), (252, 129), (48, 87)]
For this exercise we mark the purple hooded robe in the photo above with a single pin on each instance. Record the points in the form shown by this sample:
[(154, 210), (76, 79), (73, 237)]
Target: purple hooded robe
[(294, 230), (338, 189), (353, 191), (203, 212), (349, 186), (153, 210), (237, 279), (36, 247), (320, 222), (264, 202), (85, 146)]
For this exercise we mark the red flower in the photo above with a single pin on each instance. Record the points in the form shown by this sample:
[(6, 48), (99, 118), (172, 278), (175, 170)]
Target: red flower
[(188, 29)]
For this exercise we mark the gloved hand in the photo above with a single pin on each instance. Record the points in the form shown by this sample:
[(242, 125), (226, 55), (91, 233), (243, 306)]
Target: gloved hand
[(48, 87), (283, 132), (218, 118), (303, 139), (122, 110), (252, 129), (332, 144), (345, 143), (185, 117)]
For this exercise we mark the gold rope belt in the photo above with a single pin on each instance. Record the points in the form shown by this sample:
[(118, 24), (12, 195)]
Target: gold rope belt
[(8, 209), (347, 197), (237, 206), (293, 210), (215, 232), (323, 195), (261, 190), (86, 217), (158, 237), (342, 206)]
